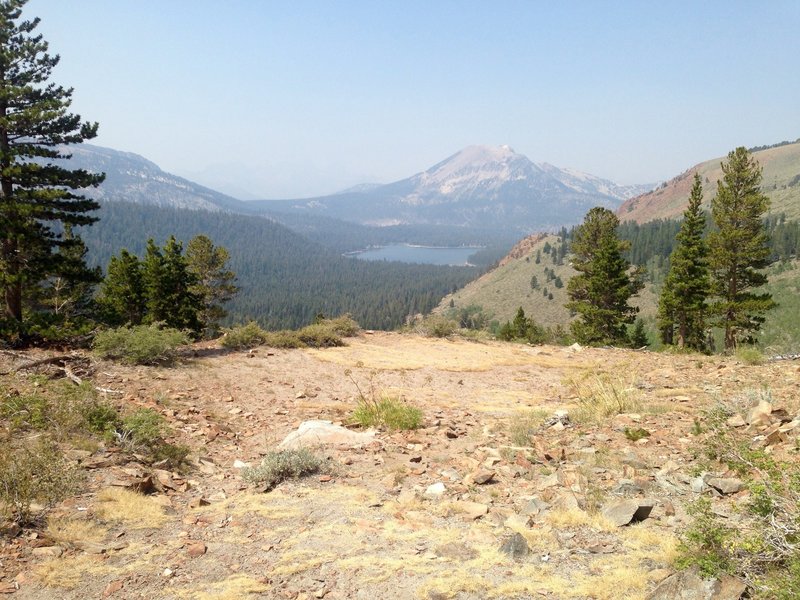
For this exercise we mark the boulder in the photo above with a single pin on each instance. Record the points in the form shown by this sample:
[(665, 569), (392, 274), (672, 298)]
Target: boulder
[(321, 433), (726, 485), (623, 512), (515, 546), (688, 585)]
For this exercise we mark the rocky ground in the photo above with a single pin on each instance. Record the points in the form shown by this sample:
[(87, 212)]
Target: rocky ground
[(509, 490)]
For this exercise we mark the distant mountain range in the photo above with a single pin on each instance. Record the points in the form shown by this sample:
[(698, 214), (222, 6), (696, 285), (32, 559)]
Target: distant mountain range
[(133, 178), (781, 182), (480, 186), (487, 186)]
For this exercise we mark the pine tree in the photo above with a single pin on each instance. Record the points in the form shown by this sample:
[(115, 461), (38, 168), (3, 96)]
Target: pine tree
[(168, 286), (600, 292), (35, 193), (208, 263), (682, 305), (739, 249), (122, 297)]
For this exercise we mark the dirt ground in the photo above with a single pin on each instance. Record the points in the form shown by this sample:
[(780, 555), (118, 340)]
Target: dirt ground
[(370, 526)]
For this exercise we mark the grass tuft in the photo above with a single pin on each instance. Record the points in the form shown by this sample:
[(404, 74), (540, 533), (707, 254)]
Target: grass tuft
[(392, 413)]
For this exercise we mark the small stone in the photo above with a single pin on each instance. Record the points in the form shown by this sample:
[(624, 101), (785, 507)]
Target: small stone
[(240, 464), (516, 546), (471, 510), (736, 421), (196, 549), (760, 414), (167, 572), (726, 485), (483, 476), (435, 490), (112, 588), (198, 502)]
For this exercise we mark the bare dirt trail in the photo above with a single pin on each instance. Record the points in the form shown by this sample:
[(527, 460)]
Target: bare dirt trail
[(378, 524)]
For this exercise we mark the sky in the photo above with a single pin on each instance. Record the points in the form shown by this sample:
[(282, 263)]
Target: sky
[(287, 99)]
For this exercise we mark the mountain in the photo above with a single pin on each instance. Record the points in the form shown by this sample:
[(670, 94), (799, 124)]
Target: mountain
[(781, 182), (132, 178), (486, 186)]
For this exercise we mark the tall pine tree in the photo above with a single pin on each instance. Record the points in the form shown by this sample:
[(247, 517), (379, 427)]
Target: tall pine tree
[(738, 250), (36, 195), (682, 306), (168, 286), (600, 292), (208, 264), (122, 297)]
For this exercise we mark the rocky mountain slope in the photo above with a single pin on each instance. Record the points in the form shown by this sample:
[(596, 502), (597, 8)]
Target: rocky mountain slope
[(781, 182), (516, 485), (483, 186), (133, 178)]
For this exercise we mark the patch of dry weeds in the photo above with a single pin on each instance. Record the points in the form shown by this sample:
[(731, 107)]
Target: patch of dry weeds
[(232, 588), (135, 510)]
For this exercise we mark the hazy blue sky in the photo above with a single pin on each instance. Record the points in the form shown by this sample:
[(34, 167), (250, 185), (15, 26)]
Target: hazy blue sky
[(287, 99)]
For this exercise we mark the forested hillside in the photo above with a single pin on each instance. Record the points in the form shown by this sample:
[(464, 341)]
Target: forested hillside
[(285, 279), (536, 279)]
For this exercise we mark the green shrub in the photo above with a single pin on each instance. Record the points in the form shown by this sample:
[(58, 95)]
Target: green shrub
[(750, 355), (25, 410), (141, 344), (172, 456), (344, 325), (762, 548), (706, 543), (34, 477), (244, 336), (142, 428), (320, 335), (388, 412), (636, 434), (279, 466), (286, 340)]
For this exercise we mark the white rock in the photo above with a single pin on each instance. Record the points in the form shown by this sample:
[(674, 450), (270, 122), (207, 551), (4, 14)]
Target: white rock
[(320, 433)]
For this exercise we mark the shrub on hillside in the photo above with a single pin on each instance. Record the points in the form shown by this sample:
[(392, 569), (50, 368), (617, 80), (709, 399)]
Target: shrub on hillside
[(320, 335), (277, 467), (762, 548), (243, 337), (34, 477), (141, 344)]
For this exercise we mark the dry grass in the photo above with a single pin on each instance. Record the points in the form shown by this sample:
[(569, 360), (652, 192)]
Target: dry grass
[(602, 395), (232, 588), (135, 510), (68, 572), (298, 561), (574, 517), (68, 530)]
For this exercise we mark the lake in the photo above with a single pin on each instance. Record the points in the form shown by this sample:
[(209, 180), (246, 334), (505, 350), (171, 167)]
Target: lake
[(418, 254)]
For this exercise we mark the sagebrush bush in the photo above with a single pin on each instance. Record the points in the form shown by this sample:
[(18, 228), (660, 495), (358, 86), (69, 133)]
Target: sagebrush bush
[(389, 412), (279, 466), (141, 344), (34, 477), (243, 336)]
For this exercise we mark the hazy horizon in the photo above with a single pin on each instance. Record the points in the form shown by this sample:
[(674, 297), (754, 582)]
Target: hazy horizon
[(285, 100)]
